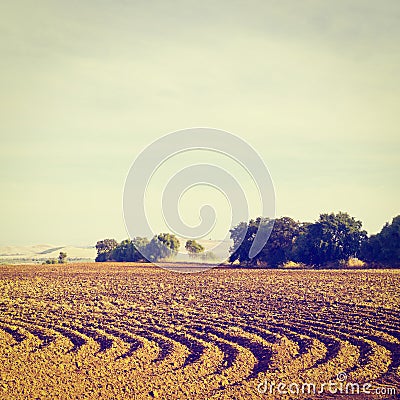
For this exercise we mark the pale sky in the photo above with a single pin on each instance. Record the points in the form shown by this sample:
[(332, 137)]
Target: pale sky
[(314, 86)]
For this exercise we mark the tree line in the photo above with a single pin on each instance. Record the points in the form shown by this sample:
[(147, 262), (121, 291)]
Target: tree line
[(161, 246), (332, 240)]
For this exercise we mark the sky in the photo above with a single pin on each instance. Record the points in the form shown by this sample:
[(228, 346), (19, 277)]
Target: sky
[(313, 86)]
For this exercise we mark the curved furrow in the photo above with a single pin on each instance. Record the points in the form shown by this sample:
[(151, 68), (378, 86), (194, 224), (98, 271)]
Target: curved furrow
[(170, 352), (195, 347), (373, 311), (103, 341), (304, 343), (270, 332), (350, 319), (298, 344), (374, 356), (266, 334), (132, 333), (165, 345), (274, 334), (295, 345), (105, 338), (374, 359), (40, 322), (343, 334), (340, 355), (204, 321), (261, 352), (134, 343), (230, 352), (77, 340), (363, 340), (137, 339), (351, 314), (36, 330), (332, 345), (77, 335), (13, 331), (371, 314), (202, 355), (24, 340), (295, 352), (239, 370), (388, 330)]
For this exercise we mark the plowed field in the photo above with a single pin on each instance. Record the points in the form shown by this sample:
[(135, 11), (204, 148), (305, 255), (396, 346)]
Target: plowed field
[(115, 331)]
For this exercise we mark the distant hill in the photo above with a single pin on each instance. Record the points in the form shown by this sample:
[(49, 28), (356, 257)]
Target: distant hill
[(43, 252)]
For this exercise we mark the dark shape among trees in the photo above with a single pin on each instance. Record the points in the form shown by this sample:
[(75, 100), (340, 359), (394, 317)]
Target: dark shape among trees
[(62, 258)]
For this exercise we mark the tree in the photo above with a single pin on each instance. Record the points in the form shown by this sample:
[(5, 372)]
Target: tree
[(162, 246), (193, 248), (62, 258), (332, 238), (243, 236), (130, 250), (123, 251), (279, 247), (170, 241), (139, 243), (277, 250), (104, 249), (384, 247)]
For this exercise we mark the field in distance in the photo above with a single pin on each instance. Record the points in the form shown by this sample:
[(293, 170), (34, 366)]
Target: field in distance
[(133, 331)]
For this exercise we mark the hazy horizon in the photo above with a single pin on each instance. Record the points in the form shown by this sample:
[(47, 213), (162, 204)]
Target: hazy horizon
[(313, 86)]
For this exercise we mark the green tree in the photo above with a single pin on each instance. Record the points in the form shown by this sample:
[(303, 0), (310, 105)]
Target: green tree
[(140, 244), (277, 250), (130, 250), (62, 258), (193, 248), (105, 249), (332, 238), (123, 251), (384, 247), (162, 246), (243, 236), (280, 245)]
